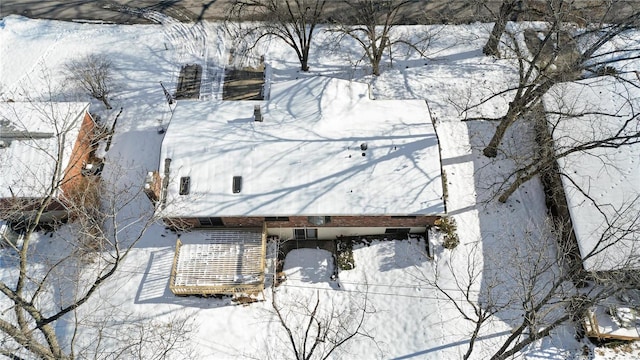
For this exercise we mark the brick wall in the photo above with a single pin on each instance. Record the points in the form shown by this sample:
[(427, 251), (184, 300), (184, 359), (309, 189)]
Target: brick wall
[(303, 221), (79, 155)]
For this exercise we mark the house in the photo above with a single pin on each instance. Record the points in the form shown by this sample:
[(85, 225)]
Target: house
[(601, 184), (318, 160), (44, 147)]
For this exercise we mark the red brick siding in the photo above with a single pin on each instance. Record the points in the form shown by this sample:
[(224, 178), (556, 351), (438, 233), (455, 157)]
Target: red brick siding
[(243, 221), (79, 155), (302, 221)]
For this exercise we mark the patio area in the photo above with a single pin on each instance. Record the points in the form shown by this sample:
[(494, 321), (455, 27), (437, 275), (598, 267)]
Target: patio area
[(229, 261)]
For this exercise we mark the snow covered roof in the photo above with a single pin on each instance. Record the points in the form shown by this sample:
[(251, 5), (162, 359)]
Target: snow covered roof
[(30, 134), (602, 185), (306, 157)]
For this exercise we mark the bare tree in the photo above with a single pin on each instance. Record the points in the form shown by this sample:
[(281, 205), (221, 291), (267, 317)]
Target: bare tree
[(316, 329), (580, 12), (564, 53), (119, 334), (561, 298), (545, 159), (533, 288), (52, 282), (508, 11), (370, 23), (292, 21), (478, 310), (94, 74)]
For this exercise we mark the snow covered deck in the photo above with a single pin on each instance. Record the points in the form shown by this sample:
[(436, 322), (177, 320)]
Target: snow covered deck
[(226, 261), (621, 323)]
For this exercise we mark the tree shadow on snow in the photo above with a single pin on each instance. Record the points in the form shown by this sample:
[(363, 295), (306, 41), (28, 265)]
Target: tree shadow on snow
[(310, 266), (154, 286)]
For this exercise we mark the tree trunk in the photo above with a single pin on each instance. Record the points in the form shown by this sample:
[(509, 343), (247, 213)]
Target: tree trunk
[(491, 150), (375, 68), (507, 9), (504, 354), (304, 61), (473, 338), (516, 184), (376, 59), (105, 101)]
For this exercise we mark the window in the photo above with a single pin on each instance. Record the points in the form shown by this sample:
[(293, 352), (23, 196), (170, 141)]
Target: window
[(319, 220), (276, 218), (397, 230), (299, 234), (210, 221), (237, 184), (404, 217), (304, 234), (185, 184)]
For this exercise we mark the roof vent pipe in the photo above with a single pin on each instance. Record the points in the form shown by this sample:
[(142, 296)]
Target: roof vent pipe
[(257, 114), (363, 146)]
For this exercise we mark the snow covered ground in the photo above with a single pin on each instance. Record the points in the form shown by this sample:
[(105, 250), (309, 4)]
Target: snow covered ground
[(408, 318)]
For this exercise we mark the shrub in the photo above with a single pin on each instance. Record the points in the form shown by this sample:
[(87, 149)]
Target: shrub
[(345, 255), (448, 226)]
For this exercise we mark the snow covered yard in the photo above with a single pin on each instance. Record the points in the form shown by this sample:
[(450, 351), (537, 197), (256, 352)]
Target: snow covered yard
[(408, 318)]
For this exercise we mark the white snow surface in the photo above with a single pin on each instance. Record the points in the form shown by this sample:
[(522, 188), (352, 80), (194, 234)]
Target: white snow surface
[(409, 319), (602, 184), (305, 157), (26, 163)]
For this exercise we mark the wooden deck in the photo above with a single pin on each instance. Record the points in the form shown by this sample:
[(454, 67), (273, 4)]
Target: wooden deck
[(243, 84), (604, 326), (228, 261), (189, 82)]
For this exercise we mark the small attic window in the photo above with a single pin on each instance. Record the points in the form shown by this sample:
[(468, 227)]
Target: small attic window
[(185, 184), (237, 184)]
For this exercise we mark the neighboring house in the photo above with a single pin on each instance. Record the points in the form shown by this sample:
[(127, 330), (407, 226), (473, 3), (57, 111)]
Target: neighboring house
[(318, 160), (44, 148), (601, 185), (601, 188)]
